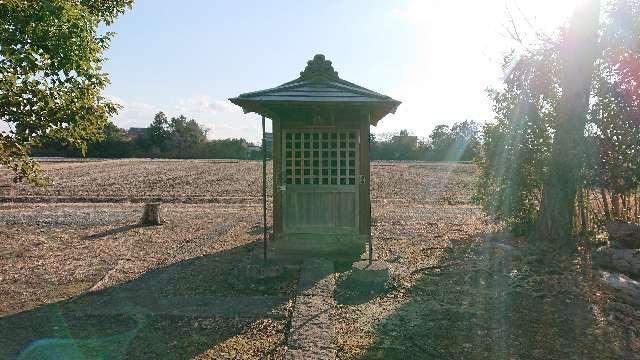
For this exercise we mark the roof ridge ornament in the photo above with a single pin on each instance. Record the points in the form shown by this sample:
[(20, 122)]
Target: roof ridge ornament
[(317, 68)]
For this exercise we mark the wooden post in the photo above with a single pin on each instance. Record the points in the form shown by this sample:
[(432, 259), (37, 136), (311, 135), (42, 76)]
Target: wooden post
[(368, 158), (276, 166), (151, 215), (264, 191)]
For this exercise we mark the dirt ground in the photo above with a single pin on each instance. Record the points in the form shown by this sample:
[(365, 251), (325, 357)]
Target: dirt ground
[(229, 181), (80, 279), (139, 179)]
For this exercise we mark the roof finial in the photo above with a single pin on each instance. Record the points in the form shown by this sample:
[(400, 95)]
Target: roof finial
[(319, 66)]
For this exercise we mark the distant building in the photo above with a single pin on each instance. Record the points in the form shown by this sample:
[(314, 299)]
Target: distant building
[(135, 133), (409, 140)]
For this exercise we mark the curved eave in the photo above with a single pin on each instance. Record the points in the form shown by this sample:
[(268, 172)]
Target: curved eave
[(334, 84), (378, 109)]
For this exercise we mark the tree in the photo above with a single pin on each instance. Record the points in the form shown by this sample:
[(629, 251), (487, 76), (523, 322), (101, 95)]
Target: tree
[(51, 77), (112, 132), (158, 135), (456, 143), (515, 152), (440, 140), (185, 136), (614, 136), (578, 55), (112, 145), (225, 149), (465, 141)]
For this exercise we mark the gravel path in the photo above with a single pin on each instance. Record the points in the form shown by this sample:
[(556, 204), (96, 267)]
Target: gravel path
[(312, 334)]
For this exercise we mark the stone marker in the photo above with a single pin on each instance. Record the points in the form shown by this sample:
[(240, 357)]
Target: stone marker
[(624, 234), (151, 215), (628, 289), (622, 260)]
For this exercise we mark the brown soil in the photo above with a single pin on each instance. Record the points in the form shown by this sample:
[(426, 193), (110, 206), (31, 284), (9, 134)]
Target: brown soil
[(454, 290), (195, 180)]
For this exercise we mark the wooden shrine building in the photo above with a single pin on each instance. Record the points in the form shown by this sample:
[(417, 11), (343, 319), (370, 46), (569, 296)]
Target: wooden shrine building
[(321, 168)]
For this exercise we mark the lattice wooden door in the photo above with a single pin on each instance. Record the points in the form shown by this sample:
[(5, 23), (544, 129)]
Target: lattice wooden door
[(320, 172)]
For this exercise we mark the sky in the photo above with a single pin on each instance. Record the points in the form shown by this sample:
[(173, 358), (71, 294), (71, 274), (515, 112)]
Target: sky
[(437, 57)]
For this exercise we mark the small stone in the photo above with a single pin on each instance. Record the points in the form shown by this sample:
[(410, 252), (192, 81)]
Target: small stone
[(620, 264), (620, 282), (627, 254), (624, 234)]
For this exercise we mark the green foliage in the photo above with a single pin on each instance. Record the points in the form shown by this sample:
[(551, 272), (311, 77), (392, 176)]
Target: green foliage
[(113, 144), (15, 156), (225, 149), (516, 146), (615, 117), (51, 77), (459, 142), (159, 135), (615, 112), (395, 147), (176, 138), (185, 136), (440, 140)]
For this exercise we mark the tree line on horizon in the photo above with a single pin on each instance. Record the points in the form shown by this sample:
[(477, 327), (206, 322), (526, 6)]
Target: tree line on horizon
[(172, 138), (458, 142), (182, 138)]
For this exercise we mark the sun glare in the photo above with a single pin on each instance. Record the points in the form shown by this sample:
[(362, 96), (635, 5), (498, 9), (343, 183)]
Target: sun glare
[(459, 46), (544, 15)]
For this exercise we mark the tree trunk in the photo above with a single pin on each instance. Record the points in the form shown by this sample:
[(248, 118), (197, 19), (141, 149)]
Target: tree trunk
[(605, 203), (615, 204), (578, 54), (151, 215), (584, 222), (625, 207)]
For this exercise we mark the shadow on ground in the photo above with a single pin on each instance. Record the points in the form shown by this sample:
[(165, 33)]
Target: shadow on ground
[(174, 312), (115, 231), (364, 282), (488, 301)]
